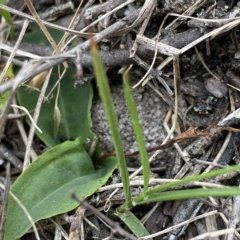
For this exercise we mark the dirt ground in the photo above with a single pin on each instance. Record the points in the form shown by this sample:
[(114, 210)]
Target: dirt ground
[(191, 80)]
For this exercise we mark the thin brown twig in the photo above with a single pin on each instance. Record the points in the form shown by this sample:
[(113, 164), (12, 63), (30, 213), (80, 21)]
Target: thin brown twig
[(179, 225), (74, 21), (22, 131), (48, 24), (143, 81), (143, 27), (200, 57), (42, 65), (189, 134), (146, 10), (8, 63), (35, 119), (224, 146), (4, 113), (24, 210), (188, 12), (176, 83), (113, 225), (43, 28)]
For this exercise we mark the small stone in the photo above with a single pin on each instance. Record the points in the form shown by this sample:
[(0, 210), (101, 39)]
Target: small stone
[(215, 87)]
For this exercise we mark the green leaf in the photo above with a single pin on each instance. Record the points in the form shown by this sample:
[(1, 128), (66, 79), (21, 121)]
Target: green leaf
[(4, 97), (191, 193), (44, 187), (74, 105), (134, 224), (137, 130), (8, 18), (36, 35), (141, 198), (56, 114), (106, 98)]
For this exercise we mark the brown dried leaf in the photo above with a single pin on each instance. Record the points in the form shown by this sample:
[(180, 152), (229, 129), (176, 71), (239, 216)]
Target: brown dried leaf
[(191, 133)]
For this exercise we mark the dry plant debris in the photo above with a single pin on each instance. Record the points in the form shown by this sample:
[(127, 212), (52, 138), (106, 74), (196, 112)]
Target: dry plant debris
[(196, 93)]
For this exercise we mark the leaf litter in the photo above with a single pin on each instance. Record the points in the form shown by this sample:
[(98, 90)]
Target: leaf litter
[(203, 99)]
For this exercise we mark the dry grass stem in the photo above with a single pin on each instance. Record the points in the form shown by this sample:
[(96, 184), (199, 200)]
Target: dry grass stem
[(167, 230)]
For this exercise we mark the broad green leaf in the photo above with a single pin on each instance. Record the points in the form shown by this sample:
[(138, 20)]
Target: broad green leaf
[(36, 36), (44, 187), (133, 223), (74, 105)]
